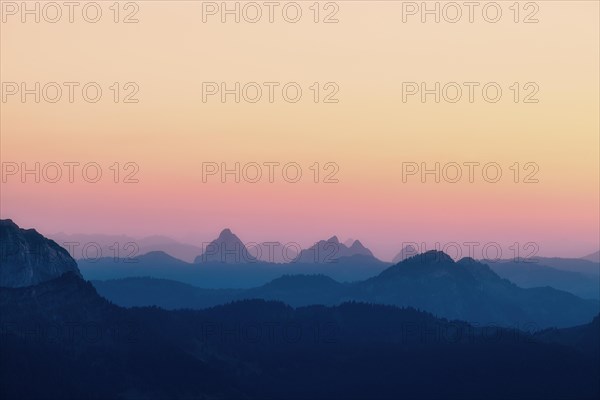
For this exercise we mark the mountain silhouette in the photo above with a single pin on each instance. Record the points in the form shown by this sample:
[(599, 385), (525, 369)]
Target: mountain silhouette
[(28, 258), (331, 251), (73, 343), (158, 258), (432, 281), (471, 291), (76, 344), (218, 275), (227, 248)]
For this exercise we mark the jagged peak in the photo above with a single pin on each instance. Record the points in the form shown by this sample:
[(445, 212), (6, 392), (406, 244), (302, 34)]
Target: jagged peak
[(333, 239), (357, 245), (226, 233)]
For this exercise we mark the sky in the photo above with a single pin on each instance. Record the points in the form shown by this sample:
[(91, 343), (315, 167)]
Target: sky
[(169, 134)]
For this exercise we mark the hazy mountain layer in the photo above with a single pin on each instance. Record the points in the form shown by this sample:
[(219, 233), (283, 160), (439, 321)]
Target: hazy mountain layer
[(73, 344), (466, 290)]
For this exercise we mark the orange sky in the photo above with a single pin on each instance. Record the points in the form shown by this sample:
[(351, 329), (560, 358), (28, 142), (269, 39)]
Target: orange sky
[(369, 133)]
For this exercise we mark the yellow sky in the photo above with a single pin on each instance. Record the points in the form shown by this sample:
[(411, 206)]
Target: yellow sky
[(369, 133)]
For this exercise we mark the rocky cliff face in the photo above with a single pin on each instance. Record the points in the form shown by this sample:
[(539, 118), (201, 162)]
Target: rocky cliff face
[(28, 258)]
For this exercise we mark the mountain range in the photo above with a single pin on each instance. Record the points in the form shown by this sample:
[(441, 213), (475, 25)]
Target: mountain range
[(124, 246), (217, 274), (529, 274), (228, 248), (76, 344), (224, 267), (60, 333), (466, 290), (331, 250)]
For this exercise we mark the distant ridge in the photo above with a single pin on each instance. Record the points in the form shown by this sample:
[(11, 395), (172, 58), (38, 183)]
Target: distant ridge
[(330, 250), (594, 257), (127, 245), (73, 343), (466, 290)]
